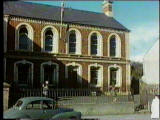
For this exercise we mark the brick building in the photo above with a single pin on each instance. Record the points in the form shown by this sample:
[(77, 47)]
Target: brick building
[(67, 47)]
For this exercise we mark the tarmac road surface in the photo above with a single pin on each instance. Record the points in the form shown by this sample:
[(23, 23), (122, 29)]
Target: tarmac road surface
[(120, 117)]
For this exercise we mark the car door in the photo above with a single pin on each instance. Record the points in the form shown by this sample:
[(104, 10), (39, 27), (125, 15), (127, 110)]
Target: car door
[(49, 108), (34, 110)]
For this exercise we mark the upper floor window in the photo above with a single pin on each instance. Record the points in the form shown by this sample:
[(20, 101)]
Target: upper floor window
[(95, 44), (49, 39), (24, 37), (74, 42), (114, 46)]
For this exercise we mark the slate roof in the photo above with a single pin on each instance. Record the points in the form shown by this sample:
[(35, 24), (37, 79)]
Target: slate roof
[(48, 12)]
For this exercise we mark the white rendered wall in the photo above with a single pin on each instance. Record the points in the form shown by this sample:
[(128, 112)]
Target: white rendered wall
[(151, 65)]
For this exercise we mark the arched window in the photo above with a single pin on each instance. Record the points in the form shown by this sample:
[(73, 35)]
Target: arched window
[(23, 73), (73, 45), (114, 46), (49, 40), (50, 73), (94, 44), (95, 74), (72, 42), (115, 76), (24, 37), (73, 73)]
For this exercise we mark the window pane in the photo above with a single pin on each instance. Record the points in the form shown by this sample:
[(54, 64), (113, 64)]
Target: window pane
[(94, 44), (23, 39), (24, 74), (34, 105), (113, 76), (112, 46), (50, 73), (94, 75), (72, 42), (49, 40)]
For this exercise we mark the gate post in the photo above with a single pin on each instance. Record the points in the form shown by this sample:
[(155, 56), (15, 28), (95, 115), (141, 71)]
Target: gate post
[(5, 95)]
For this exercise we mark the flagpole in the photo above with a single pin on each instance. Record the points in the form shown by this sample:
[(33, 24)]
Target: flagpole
[(62, 13)]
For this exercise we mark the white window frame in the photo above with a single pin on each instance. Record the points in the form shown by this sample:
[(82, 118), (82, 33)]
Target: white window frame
[(16, 70), (5, 29), (55, 39), (99, 43), (118, 45), (79, 77), (100, 74), (78, 42), (119, 76), (30, 35), (42, 71)]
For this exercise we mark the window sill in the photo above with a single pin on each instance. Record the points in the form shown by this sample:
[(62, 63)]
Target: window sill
[(24, 50)]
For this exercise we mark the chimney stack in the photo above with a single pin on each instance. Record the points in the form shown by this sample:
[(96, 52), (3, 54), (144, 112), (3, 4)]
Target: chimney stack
[(107, 8)]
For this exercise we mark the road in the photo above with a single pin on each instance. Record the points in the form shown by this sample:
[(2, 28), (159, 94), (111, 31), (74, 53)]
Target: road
[(119, 117)]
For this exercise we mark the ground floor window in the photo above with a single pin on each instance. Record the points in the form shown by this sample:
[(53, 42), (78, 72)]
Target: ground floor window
[(115, 76), (50, 72), (74, 75), (23, 73), (95, 75)]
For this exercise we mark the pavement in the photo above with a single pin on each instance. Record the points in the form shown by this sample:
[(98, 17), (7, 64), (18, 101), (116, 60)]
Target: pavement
[(138, 116)]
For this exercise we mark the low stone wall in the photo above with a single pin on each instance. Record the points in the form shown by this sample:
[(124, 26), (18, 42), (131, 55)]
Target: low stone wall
[(98, 106)]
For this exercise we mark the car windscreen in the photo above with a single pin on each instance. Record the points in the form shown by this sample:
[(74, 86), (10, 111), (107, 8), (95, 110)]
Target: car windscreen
[(19, 103)]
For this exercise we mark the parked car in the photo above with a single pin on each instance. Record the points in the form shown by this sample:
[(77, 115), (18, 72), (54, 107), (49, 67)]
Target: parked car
[(39, 108)]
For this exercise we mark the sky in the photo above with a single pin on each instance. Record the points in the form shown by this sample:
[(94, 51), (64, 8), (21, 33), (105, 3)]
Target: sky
[(141, 17)]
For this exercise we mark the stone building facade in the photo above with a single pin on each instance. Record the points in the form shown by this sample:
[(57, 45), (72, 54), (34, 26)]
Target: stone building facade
[(65, 53)]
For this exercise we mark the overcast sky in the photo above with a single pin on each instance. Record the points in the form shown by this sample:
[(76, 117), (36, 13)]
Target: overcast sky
[(142, 18)]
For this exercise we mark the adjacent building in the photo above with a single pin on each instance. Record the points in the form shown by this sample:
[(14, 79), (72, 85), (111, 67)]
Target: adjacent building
[(67, 47)]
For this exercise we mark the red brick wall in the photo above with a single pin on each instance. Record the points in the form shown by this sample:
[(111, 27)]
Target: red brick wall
[(62, 45), (62, 49)]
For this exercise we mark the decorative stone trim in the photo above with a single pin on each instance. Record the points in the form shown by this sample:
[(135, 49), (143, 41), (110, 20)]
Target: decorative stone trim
[(118, 77), (32, 20), (30, 35), (78, 42), (99, 45), (5, 26), (118, 45), (100, 74), (55, 39), (127, 50)]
